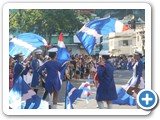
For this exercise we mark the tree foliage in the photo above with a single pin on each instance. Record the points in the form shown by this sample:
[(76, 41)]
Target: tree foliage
[(44, 21), (121, 13)]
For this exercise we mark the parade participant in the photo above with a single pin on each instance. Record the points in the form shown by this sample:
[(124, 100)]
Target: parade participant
[(106, 90), (28, 77), (52, 78), (36, 63), (136, 83), (19, 68), (46, 58)]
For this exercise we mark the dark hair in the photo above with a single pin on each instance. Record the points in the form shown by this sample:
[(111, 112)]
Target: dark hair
[(17, 57), (52, 54), (140, 55), (73, 58), (106, 57)]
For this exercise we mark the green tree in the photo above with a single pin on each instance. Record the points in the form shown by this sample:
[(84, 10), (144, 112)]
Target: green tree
[(121, 13), (115, 13), (44, 21)]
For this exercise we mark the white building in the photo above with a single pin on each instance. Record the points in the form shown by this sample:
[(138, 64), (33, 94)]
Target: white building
[(140, 40), (126, 42)]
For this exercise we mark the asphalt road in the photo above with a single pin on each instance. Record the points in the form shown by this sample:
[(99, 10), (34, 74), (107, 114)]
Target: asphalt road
[(121, 77)]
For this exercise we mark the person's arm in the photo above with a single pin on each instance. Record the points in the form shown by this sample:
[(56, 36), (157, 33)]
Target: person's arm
[(100, 72), (40, 70), (96, 79), (34, 65), (139, 70), (67, 73), (26, 68)]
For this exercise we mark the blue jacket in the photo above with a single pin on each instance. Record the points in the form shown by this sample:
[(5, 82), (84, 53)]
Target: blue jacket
[(35, 66), (106, 90), (139, 69), (53, 78), (19, 70)]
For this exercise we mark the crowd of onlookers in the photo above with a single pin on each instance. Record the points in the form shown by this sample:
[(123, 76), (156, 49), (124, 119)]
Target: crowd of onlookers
[(79, 67)]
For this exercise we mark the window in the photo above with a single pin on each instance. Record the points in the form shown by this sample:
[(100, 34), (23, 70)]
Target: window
[(138, 38), (125, 42)]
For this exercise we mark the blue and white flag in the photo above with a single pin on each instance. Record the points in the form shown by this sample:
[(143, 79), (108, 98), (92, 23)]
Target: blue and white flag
[(72, 94), (63, 55), (25, 43), (94, 29), (86, 89), (124, 98), (21, 96)]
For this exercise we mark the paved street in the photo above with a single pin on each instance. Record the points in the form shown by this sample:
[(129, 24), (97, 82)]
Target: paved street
[(121, 78)]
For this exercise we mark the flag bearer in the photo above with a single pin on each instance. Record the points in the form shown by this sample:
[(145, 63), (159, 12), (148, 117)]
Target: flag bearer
[(52, 80), (106, 90), (36, 63), (19, 68), (136, 83)]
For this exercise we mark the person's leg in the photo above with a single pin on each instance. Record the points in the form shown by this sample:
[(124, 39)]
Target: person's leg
[(36, 91), (55, 99), (133, 94), (50, 100), (45, 95), (100, 104), (109, 104)]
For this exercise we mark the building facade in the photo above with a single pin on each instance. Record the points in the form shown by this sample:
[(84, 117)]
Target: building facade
[(126, 42)]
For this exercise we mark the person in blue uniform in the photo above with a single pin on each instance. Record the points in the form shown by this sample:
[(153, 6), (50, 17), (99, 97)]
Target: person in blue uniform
[(46, 58), (136, 83), (106, 90), (52, 80), (36, 63), (19, 68)]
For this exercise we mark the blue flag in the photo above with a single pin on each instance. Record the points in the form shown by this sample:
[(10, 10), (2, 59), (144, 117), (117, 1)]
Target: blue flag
[(21, 96), (62, 54), (72, 94), (124, 98), (94, 29), (25, 43)]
